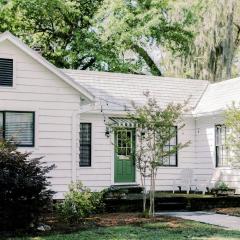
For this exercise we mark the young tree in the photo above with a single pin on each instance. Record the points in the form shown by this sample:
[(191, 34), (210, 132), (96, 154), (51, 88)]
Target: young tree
[(232, 122), (155, 127)]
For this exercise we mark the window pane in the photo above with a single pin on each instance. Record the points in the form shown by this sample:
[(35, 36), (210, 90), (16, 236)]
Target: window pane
[(221, 151), (173, 140), (170, 160), (19, 127), (173, 159), (124, 141), (217, 129), (85, 144)]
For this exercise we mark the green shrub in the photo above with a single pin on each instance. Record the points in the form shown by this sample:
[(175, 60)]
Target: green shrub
[(79, 203), (24, 188), (221, 185)]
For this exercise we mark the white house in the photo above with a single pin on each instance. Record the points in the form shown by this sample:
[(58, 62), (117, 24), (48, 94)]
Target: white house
[(61, 114)]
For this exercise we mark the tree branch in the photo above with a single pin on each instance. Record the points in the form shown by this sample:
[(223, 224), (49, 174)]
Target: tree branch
[(237, 40), (143, 53)]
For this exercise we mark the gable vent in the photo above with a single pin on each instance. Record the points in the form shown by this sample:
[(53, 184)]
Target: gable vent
[(6, 72)]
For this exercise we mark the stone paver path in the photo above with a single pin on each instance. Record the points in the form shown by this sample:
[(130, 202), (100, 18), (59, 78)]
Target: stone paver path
[(230, 222)]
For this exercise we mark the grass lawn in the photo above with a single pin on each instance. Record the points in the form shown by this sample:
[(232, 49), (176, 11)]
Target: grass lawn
[(168, 228)]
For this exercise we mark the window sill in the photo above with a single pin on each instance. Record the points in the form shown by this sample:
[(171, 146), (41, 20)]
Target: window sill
[(223, 167)]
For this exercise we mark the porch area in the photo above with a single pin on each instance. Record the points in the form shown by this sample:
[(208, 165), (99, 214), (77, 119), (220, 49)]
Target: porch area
[(131, 199)]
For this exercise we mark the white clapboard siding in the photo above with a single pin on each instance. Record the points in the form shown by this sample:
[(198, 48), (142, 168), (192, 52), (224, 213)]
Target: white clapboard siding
[(101, 174), (205, 168), (54, 103)]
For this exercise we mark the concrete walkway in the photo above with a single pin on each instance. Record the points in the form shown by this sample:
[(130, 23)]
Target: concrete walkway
[(230, 222)]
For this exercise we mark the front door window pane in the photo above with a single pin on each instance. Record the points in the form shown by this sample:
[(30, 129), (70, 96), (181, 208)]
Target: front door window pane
[(124, 140)]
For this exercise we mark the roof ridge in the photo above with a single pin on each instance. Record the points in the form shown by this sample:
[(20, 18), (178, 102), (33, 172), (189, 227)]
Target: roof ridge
[(225, 81), (130, 74), (202, 95)]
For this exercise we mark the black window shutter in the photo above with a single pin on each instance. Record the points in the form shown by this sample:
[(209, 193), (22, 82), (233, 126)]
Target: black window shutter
[(6, 72), (85, 144)]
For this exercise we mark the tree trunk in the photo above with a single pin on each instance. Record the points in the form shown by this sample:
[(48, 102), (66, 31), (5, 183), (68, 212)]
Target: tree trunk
[(143, 180), (152, 194)]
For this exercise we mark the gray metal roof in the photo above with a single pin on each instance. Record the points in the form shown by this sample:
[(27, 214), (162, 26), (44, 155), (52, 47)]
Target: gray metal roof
[(117, 91), (218, 96)]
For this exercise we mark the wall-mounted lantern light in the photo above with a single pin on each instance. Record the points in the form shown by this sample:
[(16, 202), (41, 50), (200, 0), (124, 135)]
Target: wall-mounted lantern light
[(107, 132)]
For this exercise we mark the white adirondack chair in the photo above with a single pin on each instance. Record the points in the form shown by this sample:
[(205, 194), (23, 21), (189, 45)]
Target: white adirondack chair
[(174, 186), (202, 186), (205, 186), (187, 175), (185, 183)]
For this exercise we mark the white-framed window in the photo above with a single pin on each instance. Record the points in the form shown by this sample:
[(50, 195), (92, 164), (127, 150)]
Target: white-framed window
[(18, 127), (171, 160), (221, 151)]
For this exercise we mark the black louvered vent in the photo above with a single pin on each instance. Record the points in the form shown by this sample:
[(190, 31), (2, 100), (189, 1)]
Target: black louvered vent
[(6, 72)]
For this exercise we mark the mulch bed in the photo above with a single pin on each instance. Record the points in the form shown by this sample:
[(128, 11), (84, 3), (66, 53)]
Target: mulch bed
[(228, 211), (117, 219), (107, 220), (99, 220)]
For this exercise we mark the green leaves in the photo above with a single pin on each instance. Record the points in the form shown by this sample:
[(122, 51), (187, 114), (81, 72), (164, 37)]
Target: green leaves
[(155, 127), (79, 203), (62, 29), (98, 34), (24, 188), (134, 25)]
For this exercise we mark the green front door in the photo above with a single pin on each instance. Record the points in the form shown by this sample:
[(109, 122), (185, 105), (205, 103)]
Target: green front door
[(124, 169)]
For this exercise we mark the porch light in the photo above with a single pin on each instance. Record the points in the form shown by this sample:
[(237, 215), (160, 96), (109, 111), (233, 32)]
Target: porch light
[(107, 132)]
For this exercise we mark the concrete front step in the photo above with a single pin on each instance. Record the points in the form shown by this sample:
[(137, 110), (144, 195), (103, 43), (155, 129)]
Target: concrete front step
[(124, 191)]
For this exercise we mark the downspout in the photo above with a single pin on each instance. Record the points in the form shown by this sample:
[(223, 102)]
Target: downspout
[(195, 138)]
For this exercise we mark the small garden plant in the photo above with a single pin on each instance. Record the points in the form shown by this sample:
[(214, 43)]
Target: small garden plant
[(79, 203), (24, 188), (222, 186)]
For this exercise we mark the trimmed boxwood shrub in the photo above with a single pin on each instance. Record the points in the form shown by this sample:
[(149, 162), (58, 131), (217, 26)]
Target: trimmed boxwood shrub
[(24, 188)]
